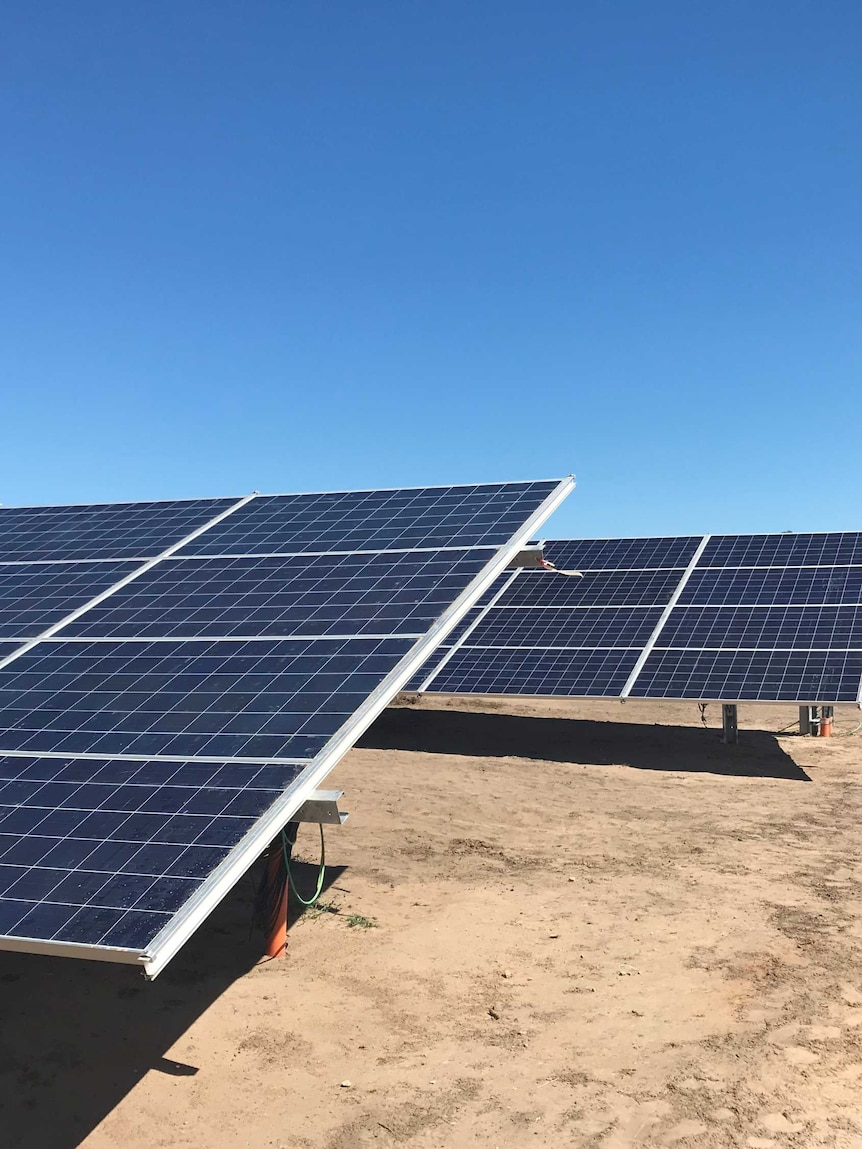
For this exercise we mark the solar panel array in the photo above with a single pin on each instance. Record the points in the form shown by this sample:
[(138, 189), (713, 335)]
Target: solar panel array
[(725, 618), (175, 678)]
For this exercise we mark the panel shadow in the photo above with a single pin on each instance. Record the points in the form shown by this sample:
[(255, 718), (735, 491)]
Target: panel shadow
[(76, 1036), (583, 742)]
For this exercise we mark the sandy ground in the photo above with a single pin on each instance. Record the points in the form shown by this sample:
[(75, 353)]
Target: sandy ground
[(586, 933)]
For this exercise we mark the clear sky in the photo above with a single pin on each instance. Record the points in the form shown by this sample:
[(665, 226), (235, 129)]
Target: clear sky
[(315, 244)]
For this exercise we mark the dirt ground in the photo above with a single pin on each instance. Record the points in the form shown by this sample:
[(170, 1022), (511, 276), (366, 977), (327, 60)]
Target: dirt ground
[(576, 925)]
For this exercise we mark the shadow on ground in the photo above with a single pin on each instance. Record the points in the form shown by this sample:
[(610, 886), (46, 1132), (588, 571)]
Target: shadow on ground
[(482, 735), (76, 1036)]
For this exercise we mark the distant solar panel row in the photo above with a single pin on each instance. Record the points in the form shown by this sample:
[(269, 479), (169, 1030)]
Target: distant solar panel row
[(721, 618), (176, 677)]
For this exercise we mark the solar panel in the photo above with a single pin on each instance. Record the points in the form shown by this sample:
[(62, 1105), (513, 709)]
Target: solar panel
[(110, 530), (596, 588), (435, 517), (33, 596), (751, 675), (162, 720), (622, 554), (377, 593), (740, 618)]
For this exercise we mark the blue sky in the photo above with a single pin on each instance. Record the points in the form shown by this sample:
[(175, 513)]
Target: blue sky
[(293, 246)]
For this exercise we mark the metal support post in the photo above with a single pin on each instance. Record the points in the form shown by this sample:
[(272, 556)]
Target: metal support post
[(276, 940), (804, 719), (321, 806), (729, 724)]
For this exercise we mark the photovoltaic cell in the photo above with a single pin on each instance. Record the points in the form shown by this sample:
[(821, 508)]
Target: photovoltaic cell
[(782, 627), (219, 699), (436, 517), (332, 594), (34, 596), (115, 530), (621, 554), (751, 676)]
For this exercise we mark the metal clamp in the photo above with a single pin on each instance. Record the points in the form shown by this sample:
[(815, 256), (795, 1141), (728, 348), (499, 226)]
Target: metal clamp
[(321, 806)]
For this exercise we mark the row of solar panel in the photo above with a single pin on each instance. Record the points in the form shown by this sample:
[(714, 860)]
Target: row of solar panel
[(753, 631), (438, 517), (357, 594), (826, 549)]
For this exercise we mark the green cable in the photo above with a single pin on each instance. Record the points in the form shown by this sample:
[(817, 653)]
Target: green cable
[(320, 876)]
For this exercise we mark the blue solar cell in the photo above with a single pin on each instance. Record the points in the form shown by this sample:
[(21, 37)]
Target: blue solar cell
[(622, 554), (766, 627), (602, 588), (437, 517), (225, 699), (34, 596), (332, 594), (550, 627), (774, 587), (114, 530), (580, 673), (783, 550), (755, 676)]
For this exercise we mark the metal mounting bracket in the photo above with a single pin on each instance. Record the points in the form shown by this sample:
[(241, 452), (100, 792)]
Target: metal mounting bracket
[(321, 806), (530, 556)]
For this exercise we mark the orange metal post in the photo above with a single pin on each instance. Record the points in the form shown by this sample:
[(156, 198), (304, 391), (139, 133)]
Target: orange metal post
[(826, 722), (276, 943)]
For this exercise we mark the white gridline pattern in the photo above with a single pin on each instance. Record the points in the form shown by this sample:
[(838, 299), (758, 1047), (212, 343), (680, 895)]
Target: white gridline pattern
[(33, 595), (775, 586), (784, 550), (760, 627), (751, 675), (119, 530), (261, 698), (357, 594), (354, 521)]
